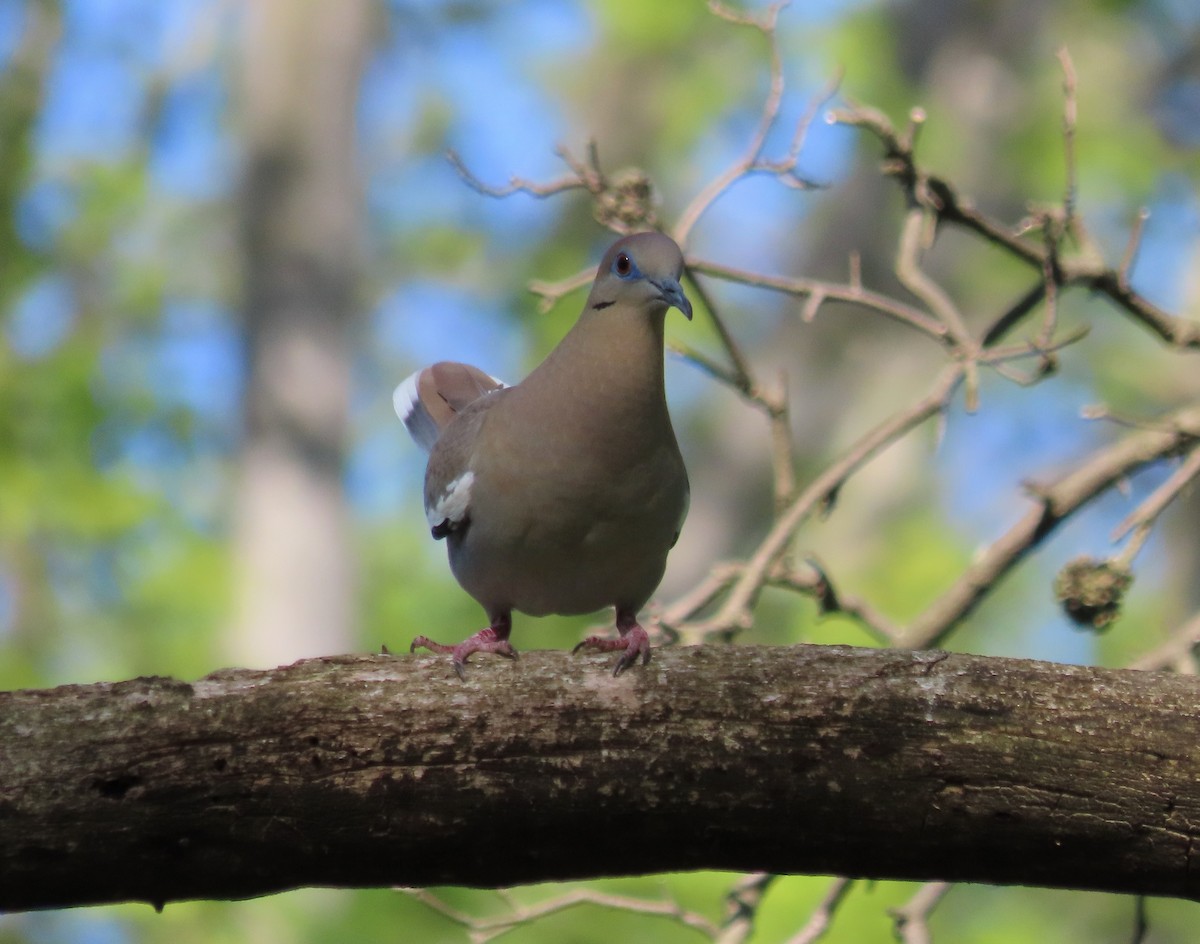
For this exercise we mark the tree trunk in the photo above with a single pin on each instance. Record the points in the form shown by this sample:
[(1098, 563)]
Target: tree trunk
[(372, 771), (300, 228)]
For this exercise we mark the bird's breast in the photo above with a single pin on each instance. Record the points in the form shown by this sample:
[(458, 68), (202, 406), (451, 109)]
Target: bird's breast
[(545, 540)]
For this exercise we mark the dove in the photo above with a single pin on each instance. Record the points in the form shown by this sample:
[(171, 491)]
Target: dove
[(565, 492)]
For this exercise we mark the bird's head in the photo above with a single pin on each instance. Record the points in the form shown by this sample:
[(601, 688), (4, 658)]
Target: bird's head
[(641, 270)]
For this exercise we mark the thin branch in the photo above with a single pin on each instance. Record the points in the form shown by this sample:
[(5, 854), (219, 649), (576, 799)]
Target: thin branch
[(912, 918), (785, 168), (1015, 313), (735, 612), (773, 403), (908, 270), (741, 366), (1054, 503), (704, 363), (572, 181), (741, 907), (1050, 277), (482, 930), (1148, 511), (1174, 330), (765, 24), (912, 277), (1141, 922), (1178, 650), (1070, 117), (822, 917), (816, 583), (445, 909), (783, 451), (953, 208), (811, 581), (751, 161), (719, 577), (1001, 355), (899, 163), (551, 292), (808, 288), (1132, 246)]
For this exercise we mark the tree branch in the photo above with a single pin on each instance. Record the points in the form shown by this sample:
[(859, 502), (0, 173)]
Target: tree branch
[(363, 771), (1055, 503)]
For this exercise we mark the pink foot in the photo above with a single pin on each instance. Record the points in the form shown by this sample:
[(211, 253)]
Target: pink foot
[(492, 639), (634, 641)]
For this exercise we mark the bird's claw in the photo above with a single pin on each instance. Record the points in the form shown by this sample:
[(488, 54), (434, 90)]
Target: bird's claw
[(630, 656), (424, 642), (634, 642), (483, 641)]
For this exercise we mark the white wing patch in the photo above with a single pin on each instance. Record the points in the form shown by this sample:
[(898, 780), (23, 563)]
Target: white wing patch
[(452, 507)]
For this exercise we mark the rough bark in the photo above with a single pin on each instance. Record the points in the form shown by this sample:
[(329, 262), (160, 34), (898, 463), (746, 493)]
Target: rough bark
[(368, 771)]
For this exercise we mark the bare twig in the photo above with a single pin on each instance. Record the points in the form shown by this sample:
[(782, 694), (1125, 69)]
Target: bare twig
[(918, 184), (735, 612), (572, 181), (913, 278), (1132, 246), (908, 270), (743, 380), (815, 288), (765, 24), (912, 918), (1014, 314), (822, 916), (1141, 923), (1176, 331), (809, 580), (703, 362), (741, 907), (751, 160), (1177, 652), (719, 577), (1094, 476), (551, 292), (1148, 511), (1070, 117), (783, 453), (815, 582), (953, 208), (482, 930), (1050, 276), (1002, 355)]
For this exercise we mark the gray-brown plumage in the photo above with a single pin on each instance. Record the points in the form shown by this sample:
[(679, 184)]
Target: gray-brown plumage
[(564, 493)]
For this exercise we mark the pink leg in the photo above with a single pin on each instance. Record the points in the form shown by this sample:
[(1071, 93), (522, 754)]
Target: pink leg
[(492, 639), (633, 640)]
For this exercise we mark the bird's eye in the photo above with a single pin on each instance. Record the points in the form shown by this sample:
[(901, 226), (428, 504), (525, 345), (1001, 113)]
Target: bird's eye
[(622, 265)]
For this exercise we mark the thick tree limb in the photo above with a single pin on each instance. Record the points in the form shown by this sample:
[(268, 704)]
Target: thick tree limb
[(364, 771)]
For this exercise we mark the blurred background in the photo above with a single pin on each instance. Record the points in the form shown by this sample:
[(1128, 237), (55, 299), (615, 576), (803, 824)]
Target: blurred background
[(228, 228)]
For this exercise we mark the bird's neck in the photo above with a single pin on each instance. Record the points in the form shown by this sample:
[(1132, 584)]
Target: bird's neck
[(610, 361)]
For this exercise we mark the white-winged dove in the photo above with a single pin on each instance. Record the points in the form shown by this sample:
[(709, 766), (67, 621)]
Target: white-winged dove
[(564, 493)]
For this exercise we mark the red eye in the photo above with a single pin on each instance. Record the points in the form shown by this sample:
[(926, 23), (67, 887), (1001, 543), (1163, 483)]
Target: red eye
[(622, 265)]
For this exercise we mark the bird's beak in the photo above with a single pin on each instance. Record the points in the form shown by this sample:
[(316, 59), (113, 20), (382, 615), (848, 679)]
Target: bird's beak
[(671, 292)]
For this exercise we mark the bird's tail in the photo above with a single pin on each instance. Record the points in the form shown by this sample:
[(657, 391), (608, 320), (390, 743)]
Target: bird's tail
[(429, 399)]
